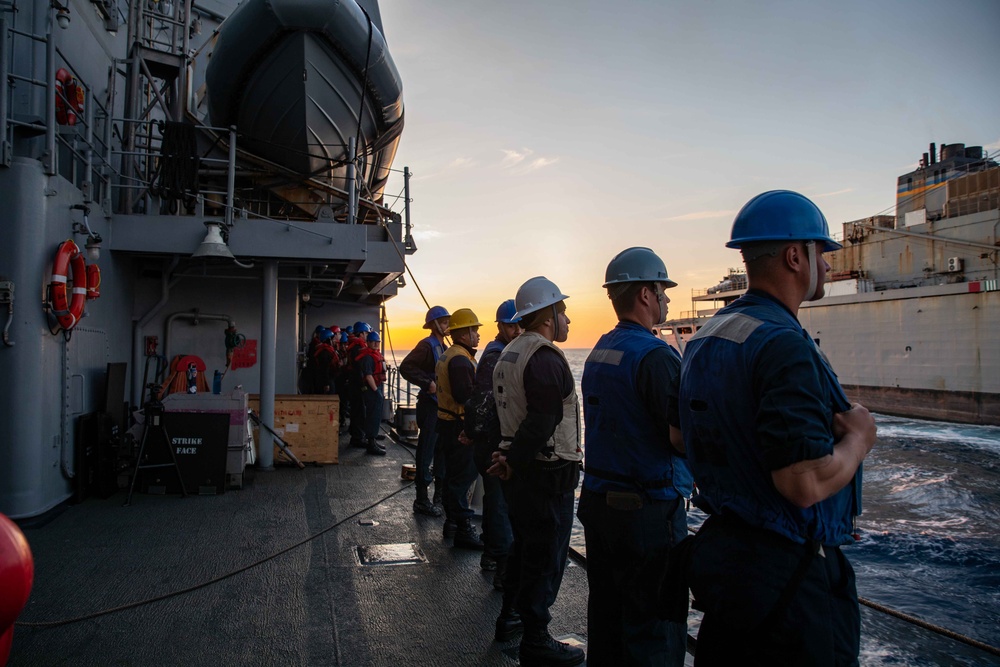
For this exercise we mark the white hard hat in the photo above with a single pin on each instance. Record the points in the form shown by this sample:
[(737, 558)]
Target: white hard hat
[(535, 294)]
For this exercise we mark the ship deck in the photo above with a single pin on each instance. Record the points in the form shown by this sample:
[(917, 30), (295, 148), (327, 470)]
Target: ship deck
[(266, 575)]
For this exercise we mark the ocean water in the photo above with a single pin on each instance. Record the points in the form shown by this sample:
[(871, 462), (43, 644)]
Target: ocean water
[(930, 540)]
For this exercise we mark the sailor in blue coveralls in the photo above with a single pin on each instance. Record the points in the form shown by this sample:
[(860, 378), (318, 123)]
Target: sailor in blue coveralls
[(418, 368), (776, 450), (635, 483)]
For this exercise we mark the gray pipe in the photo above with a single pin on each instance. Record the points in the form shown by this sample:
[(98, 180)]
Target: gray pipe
[(189, 315), (137, 347), (50, 162), (268, 338)]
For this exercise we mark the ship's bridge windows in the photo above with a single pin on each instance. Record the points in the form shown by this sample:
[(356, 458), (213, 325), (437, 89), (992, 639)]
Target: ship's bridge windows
[(685, 330)]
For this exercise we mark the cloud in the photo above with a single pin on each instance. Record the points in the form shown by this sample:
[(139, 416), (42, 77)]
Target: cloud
[(420, 233), (519, 162), (701, 215), (540, 163), (457, 164), (836, 192), (995, 146), (512, 158)]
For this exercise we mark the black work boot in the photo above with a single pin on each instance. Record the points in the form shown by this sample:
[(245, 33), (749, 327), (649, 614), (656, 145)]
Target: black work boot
[(373, 448), (422, 505), (501, 571), (539, 649), (466, 536), (509, 625)]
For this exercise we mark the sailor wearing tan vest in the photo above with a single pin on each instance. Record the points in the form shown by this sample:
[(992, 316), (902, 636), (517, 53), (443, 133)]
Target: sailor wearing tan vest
[(456, 374), (539, 463)]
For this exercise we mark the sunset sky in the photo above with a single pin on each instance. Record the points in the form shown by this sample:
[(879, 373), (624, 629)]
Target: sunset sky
[(546, 136)]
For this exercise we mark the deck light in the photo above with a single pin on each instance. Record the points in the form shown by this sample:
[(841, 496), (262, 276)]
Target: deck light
[(213, 245)]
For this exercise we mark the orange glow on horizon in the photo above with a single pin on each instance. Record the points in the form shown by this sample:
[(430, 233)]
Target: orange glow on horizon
[(590, 318)]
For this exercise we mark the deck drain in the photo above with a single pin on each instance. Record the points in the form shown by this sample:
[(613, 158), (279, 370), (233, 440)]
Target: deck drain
[(390, 554)]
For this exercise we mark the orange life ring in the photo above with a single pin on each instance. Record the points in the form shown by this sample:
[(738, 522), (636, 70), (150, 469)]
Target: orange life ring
[(69, 98), (68, 311)]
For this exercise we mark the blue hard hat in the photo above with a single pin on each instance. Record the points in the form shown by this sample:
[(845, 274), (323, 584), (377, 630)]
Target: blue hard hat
[(343, 337), (362, 327), (325, 334), (507, 312), (373, 336), (435, 313), (348, 329), (318, 330), (781, 215)]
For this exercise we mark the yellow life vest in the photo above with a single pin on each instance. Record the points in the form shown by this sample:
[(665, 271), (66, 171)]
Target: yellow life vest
[(448, 408)]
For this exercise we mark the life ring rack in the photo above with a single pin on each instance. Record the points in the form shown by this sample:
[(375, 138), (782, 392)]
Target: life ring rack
[(67, 305)]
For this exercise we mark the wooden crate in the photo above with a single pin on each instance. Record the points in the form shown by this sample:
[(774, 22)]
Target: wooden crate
[(309, 423)]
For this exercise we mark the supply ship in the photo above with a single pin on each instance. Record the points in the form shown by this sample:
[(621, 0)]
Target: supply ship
[(912, 305), (181, 181)]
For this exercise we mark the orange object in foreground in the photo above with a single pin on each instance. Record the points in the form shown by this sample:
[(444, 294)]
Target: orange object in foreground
[(17, 571)]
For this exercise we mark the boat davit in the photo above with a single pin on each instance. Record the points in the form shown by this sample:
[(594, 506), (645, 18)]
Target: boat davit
[(299, 79)]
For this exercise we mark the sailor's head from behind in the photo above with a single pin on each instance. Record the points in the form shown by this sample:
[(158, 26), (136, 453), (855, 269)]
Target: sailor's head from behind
[(782, 236)]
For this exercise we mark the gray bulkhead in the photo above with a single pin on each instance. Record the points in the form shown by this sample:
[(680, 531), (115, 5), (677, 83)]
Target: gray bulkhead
[(47, 381)]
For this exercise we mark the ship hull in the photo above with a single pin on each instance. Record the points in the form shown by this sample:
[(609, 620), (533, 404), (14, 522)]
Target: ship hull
[(966, 407), (927, 352)]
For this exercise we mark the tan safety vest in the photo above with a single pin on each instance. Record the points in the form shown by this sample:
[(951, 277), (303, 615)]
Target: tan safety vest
[(448, 409), (512, 404)]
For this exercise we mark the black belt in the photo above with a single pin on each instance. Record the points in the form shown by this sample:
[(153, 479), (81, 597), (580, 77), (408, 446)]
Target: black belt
[(625, 479)]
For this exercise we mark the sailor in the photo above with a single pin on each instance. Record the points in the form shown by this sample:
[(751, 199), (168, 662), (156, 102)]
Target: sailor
[(307, 376), (371, 371), (482, 426), (456, 374), (343, 381), (776, 449), (539, 461), (635, 482), (356, 346), (325, 363), (418, 368)]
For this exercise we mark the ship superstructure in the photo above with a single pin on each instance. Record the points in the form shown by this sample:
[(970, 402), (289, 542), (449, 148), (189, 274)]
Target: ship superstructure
[(207, 229), (912, 308)]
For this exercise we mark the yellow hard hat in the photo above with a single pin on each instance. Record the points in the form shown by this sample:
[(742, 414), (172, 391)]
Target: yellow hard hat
[(462, 318)]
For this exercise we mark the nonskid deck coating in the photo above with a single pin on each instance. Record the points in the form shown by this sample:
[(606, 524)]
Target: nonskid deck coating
[(313, 605)]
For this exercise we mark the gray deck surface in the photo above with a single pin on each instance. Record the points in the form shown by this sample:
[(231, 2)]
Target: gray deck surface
[(313, 605)]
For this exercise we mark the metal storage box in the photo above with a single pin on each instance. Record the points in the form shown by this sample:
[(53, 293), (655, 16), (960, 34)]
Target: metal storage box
[(235, 405)]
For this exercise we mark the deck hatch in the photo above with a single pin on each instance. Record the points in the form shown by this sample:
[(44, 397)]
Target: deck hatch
[(390, 554)]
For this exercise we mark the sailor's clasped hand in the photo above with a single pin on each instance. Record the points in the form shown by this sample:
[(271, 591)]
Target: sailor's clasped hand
[(500, 467)]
